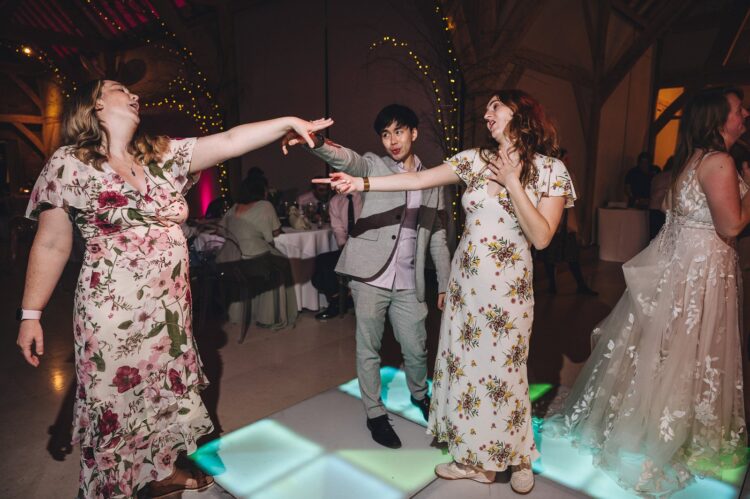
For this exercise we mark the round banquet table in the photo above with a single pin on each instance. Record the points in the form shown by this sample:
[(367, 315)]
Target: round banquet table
[(301, 247), (622, 233)]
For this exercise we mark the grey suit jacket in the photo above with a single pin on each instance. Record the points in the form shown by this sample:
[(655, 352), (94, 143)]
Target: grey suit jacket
[(372, 242)]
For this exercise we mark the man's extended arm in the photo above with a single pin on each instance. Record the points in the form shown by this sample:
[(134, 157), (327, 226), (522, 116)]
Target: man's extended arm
[(342, 158)]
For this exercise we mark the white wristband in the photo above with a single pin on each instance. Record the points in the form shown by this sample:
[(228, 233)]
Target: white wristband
[(23, 314)]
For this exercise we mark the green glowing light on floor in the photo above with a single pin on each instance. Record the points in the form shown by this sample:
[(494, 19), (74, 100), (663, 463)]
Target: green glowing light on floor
[(396, 396), (538, 390), (267, 460), (406, 469), (251, 458)]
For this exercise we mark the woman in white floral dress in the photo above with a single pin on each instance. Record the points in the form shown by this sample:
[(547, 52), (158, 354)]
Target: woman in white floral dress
[(515, 194), (137, 369), (660, 399)]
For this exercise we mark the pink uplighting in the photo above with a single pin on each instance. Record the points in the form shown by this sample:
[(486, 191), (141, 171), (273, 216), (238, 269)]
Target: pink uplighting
[(207, 190)]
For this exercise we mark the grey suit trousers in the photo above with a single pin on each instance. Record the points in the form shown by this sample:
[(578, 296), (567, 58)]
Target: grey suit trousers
[(407, 316)]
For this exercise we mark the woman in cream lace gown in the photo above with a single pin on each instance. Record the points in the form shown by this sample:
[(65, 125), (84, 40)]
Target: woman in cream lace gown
[(660, 399)]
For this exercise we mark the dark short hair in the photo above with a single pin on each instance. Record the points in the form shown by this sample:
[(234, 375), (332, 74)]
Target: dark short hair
[(395, 113), (253, 188)]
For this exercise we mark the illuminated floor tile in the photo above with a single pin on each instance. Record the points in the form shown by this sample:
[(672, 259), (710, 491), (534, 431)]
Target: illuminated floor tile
[(321, 448), (255, 456), (331, 478), (573, 468), (396, 396), (394, 392), (410, 471)]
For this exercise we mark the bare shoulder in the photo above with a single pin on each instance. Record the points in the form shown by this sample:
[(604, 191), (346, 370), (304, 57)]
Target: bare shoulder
[(717, 160), (718, 164)]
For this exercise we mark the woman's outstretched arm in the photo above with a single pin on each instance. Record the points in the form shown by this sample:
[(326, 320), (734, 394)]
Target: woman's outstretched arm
[(213, 149), (410, 181)]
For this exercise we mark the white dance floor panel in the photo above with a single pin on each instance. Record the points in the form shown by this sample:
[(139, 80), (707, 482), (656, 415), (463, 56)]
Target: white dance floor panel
[(321, 448)]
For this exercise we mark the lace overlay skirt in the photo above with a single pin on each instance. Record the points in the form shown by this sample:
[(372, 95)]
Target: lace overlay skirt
[(660, 399)]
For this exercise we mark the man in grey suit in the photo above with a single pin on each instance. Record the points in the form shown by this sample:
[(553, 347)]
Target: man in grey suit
[(385, 257)]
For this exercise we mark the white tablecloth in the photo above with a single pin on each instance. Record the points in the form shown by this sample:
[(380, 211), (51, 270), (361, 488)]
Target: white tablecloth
[(301, 247), (622, 233)]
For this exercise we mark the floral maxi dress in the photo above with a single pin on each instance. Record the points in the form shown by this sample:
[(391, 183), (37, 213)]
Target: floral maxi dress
[(480, 402), (137, 368)]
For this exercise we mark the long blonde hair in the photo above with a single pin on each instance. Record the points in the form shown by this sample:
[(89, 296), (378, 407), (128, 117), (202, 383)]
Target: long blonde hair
[(83, 130)]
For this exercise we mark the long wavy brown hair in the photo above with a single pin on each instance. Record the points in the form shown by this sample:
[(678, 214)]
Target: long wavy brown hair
[(83, 130), (700, 127), (530, 131)]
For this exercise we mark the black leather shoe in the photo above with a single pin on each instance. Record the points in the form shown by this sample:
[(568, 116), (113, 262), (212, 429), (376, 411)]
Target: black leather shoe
[(382, 432), (329, 313), (424, 406)]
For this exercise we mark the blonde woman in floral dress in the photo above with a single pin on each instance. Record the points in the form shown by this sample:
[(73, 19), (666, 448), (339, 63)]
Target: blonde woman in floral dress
[(660, 399), (138, 373), (515, 195)]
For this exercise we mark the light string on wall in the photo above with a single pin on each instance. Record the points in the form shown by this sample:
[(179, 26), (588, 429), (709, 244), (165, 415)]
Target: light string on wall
[(189, 96), (445, 83)]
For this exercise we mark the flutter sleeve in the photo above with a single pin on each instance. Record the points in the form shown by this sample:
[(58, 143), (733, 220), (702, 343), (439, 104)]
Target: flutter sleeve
[(61, 184), (177, 163), (558, 182), (463, 164)]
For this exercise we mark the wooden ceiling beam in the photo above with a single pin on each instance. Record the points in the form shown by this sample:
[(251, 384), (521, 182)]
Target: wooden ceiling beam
[(660, 23), (511, 34), (626, 12), (514, 77), (590, 30), (671, 110), (31, 136), (27, 90), (542, 63), (46, 38), (28, 68), (29, 119), (732, 23)]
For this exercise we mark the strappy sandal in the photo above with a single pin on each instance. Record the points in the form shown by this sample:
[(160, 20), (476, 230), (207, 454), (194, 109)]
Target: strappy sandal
[(202, 482)]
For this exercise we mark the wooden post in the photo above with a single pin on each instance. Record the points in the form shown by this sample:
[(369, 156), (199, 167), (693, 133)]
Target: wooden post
[(51, 116)]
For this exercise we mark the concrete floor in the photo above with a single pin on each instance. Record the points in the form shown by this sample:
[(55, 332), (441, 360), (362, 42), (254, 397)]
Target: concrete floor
[(270, 372)]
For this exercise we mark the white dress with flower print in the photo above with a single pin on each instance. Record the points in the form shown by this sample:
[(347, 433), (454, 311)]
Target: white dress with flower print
[(137, 369), (660, 399), (480, 401)]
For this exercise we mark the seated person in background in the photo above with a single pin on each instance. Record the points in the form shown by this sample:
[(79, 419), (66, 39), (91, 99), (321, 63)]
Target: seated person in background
[(638, 182), (216, 208), (344, 210), (659, 188), (251, 225), (318, 195)]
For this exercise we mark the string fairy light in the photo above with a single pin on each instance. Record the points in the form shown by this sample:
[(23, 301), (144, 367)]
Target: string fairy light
[(190, 97), (446, 91)]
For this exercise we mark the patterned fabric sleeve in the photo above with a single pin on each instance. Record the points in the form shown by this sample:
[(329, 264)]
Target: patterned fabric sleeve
[(178, 162), (558, 183), (462, 163), (61, 184)]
